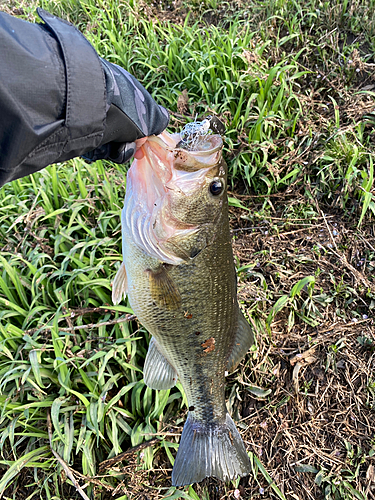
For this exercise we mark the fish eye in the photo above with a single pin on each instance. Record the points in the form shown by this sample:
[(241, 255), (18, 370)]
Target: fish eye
[(216, 187)]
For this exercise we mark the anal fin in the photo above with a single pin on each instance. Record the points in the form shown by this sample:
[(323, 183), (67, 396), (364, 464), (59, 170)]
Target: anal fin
[(163, 290), (119, 285), (158, 373), (243, 340)]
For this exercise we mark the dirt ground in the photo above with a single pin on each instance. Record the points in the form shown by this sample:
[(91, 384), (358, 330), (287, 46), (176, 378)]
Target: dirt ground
[(320, 415)]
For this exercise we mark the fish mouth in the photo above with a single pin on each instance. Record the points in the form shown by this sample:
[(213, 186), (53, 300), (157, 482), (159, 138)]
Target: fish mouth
[(206, 156), (168, 167)]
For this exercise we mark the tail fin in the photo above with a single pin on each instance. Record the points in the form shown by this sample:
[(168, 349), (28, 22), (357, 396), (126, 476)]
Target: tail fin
[(209, 450)]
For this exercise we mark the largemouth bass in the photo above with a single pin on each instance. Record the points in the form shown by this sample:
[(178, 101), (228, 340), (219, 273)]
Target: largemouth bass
[(179, 274)]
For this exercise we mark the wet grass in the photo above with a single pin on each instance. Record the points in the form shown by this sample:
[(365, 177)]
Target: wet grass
[(294, 84)]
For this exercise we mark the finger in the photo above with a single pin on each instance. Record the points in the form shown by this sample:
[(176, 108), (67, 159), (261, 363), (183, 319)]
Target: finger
[(139, 154)]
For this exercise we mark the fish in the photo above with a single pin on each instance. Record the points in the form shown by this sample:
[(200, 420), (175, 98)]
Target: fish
[(179, 274)]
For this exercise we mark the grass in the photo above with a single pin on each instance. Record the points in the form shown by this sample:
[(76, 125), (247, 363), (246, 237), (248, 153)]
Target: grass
[(293, 82)]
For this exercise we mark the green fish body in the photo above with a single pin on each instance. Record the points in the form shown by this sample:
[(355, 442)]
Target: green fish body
[(179, 274)]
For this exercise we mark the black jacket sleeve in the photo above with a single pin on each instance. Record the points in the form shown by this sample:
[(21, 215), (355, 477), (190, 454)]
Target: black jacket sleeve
[(52, 105), (59, 100)]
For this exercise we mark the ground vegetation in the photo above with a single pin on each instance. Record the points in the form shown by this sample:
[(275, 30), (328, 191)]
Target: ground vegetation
[(294, 83)]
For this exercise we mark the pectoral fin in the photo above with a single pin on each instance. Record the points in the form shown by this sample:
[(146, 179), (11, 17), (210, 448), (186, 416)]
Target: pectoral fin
[(243, 340), (163, 290), (119, 285), (158, 373)]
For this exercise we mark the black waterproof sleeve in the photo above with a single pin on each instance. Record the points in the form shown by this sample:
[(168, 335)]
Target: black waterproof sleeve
[(59, 100), (52, 95)]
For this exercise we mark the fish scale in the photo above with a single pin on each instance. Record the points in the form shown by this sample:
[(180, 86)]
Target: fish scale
[(184, 294)]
